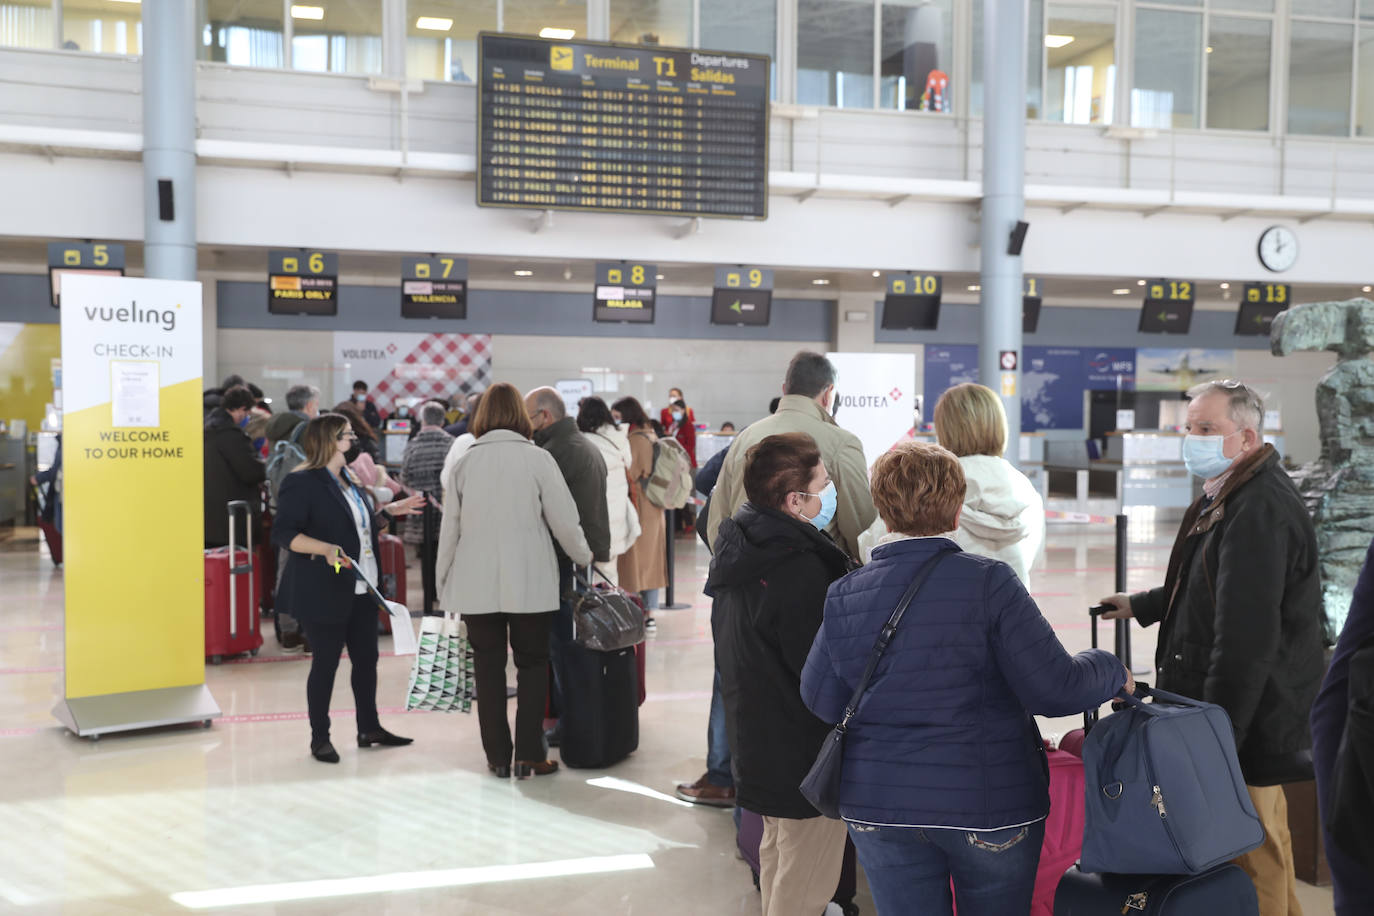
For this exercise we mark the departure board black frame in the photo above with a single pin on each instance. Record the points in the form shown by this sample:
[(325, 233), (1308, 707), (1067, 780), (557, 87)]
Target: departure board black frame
[(1260, 304), (587, 88), (1168, 307)]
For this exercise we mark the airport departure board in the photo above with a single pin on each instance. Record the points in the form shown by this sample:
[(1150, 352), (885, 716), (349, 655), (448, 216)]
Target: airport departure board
[(581, 125)]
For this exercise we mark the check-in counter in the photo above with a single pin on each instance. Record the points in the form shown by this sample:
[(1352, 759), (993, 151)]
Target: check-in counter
[(1153, 472)]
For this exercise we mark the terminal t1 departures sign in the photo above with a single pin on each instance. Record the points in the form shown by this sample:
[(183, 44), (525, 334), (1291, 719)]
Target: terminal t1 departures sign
[(303, 282), (742, 295), (582, 125), (435, 287), (68, 258), (625, 291), (1259, 304), (1168, 307)]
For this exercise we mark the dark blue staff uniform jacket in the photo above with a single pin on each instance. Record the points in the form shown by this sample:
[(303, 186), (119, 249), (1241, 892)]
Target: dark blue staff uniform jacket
[(312, 504)]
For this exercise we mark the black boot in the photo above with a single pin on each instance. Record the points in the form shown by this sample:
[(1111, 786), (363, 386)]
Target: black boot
[(323, 751), (383, 737)]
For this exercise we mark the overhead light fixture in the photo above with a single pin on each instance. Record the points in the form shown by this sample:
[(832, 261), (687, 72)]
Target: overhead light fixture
[(877, 273), (1226, 286), (1058, 41), (524, 273), (128, 1), (1121, 292), (562, 34), (820, 281), (307, 12), (434, 23), (658, 276), (1140, 283), (1369, 289), (974, 287), (1209, 49), (567, 272)]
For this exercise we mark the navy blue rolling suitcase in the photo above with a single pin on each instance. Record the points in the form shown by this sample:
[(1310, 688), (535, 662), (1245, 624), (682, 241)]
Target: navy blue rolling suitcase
[(1223, 891)]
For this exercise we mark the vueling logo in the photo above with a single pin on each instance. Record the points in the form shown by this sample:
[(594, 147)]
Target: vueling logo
[(132, 314)]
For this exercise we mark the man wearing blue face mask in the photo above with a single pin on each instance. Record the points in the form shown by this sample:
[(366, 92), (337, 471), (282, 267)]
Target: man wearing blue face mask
[(1240, 614)]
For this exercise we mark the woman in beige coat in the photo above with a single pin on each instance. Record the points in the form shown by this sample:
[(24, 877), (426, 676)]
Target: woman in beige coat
[(644, 567), (496, 567)]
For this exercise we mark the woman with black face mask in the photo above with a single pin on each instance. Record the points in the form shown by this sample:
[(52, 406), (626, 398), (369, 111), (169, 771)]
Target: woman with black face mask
[(327, 522)]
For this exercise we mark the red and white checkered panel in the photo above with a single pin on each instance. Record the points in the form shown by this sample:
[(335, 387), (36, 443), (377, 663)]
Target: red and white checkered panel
[(440, 366)]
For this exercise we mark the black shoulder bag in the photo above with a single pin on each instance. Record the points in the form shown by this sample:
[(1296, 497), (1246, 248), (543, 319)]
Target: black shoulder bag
[(821, 787)]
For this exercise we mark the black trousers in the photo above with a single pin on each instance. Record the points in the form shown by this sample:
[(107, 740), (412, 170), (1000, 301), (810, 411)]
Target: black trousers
[(356, 629), (529, 641)]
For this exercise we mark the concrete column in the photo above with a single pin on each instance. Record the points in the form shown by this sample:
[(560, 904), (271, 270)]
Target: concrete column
[(169, 137), (1004, 179)]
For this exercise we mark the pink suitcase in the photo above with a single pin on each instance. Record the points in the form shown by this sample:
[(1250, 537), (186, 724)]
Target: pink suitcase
[(233, 589)]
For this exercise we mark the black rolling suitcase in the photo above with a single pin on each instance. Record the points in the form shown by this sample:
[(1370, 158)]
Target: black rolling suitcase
[(600, 715)]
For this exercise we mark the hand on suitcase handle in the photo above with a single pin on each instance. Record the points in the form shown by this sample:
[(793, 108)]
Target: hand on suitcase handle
[(1114, 607)]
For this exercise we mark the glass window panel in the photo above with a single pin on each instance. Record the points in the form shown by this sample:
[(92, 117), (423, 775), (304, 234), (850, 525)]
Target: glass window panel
[(445, 49), (1337, 9), (1367, 9), (102, 27), (1249, 6), (917, 55), (1319, 78), (1364, 92), (530, 17), (1080, 43), (26, 24), (244, 33), (835, 53), (1035, 59), (1238, 73), (740, 25), (661, 22), (1168, 69), (347, 38)]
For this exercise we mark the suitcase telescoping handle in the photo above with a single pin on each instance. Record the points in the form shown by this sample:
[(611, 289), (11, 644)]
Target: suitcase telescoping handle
[(236, 506), (1142, 689)]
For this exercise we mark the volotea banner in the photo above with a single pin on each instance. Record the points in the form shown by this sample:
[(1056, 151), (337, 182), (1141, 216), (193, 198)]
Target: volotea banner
[(406, 367), (877, 398), (132, 493)]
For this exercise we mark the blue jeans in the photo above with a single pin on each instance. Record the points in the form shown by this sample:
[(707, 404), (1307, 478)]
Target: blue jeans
[(909, 868), (650, 599), (718, 771)]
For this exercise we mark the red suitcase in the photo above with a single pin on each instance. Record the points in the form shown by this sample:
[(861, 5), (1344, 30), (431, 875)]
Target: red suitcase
[(233, 586), (392, 568), (54, 539)]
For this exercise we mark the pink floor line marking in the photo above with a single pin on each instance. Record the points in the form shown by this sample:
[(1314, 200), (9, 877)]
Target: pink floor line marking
[(17, 732), (703, 641), (297, 716), (269, 659), (45, 669), (1101, 569), (38, 628)]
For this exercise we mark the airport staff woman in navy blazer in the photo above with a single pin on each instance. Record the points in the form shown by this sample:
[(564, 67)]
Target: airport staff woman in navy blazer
[(326, 520)]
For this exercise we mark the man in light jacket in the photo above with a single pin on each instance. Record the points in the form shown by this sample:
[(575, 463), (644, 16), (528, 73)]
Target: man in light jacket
[(806, 407)]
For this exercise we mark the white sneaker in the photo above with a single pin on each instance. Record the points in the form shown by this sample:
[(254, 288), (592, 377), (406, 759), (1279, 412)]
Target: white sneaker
[(833, 909)]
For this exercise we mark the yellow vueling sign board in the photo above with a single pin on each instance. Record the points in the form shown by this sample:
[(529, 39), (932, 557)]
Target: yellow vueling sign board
[(132, 485)]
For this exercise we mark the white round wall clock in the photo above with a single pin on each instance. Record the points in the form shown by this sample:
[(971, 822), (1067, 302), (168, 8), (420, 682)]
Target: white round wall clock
[(1278, 248)]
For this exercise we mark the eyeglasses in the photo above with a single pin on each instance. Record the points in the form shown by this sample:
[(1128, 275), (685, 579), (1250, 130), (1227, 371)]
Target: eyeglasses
[(1229, 383)]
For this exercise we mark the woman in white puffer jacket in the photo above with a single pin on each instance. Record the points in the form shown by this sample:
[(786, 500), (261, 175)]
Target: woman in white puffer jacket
[(1004, 516), (596, 423)]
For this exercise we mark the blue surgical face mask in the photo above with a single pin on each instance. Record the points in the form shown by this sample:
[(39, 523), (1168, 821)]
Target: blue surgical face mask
[(677, 416), (1204, 457), (829, 500)]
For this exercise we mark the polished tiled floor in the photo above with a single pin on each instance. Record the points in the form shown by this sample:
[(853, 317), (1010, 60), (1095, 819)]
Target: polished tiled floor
[(131, 823)]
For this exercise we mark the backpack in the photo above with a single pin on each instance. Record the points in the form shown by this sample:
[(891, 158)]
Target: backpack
[(670, 483), (286, 456)]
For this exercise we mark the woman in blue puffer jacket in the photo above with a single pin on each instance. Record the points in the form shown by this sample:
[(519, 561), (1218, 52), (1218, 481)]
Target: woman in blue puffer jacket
[(944, 768)]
